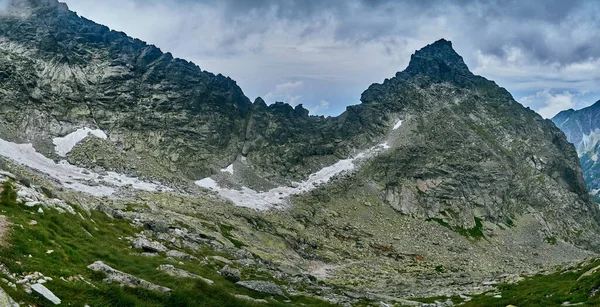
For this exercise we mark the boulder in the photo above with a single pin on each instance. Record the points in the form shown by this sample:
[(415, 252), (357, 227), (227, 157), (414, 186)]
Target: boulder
[(47, 294), (262, 286), (149, 246), (124, 278), (173, 271), (231, 274), (180, 255), (6, 300), (254, 300)]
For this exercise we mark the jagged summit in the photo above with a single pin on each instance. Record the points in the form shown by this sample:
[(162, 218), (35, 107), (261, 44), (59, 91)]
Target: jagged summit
[(436, 156), (28, 5), (437, 59), (565, 115)]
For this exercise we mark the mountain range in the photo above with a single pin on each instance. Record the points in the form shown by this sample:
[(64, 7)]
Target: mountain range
[(437, 184)]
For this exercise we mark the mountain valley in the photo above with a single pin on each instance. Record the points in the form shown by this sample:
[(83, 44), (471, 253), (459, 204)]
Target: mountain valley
[(133, 178)]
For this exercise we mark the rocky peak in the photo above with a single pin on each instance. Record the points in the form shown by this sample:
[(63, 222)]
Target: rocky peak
[(26, 6), (259, 101), (437, 60), (301, 111)]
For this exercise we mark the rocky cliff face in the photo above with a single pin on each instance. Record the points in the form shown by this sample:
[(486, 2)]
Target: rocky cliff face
[(165, 117), (162, 115), (582, 128), (467, 150)]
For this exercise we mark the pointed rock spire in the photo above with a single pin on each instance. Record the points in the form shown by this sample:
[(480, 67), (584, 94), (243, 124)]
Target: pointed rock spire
[(437, 59)]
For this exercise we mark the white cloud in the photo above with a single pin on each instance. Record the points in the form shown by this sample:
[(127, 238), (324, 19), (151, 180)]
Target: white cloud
[(318, 109), (549, 104), (286, 92)]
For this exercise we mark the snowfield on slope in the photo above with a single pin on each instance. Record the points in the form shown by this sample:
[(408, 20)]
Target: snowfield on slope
[(71, 176), (397, 125), (246, 197), (65, 144)]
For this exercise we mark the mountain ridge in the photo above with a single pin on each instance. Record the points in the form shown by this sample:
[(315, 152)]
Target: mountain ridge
[(436, 184), (582, 128)]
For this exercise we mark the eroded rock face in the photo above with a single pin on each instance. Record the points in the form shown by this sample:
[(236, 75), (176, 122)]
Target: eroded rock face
[(466, 149), (166, 111), (165, 118), (124, 278)]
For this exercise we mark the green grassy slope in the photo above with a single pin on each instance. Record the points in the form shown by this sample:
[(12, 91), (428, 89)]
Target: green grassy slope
[(79, 240)]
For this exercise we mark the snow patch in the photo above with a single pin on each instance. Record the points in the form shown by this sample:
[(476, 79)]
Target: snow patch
[(588, 142), (595, 157), (71, 176), (65, 144), (246, 197), (397, 125), (208, 183), (228, 169)]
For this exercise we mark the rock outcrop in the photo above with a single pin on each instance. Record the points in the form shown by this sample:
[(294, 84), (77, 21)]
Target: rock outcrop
[(467, 150), (262, 286), (45, 293), (124, 278), (6, 300), (173, 271)]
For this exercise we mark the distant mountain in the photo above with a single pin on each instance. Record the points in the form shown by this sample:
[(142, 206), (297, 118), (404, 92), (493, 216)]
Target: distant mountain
[(582, 128)]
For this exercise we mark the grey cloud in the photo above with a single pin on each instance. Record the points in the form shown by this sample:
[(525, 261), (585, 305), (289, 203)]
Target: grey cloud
[(537, 27), (337, 48)]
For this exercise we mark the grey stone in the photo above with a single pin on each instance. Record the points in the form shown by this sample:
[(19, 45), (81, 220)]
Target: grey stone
[(262, 286), (173, 271), (181, 255), (47, 294), (124, 278), (231, 274), (148, 245), (247, 298), (221, 259), (6, 300)]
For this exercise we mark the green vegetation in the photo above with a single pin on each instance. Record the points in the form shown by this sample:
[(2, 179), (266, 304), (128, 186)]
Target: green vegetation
[(8, 196), (226, 232), (548, 290), (440, 269), (77, 242), (510, 222), (541, 290), (471, 233), (550, 240)]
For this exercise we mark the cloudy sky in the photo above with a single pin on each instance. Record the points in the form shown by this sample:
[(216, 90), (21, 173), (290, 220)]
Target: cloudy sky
[(325, 53)]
